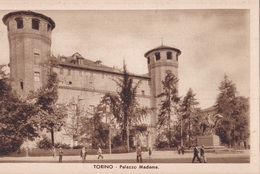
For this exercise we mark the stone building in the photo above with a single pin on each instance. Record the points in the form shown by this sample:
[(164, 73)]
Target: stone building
[(81, 80)]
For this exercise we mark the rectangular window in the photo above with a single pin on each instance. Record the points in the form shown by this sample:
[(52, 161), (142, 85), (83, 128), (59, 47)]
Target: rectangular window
[(148, 60), (69, 72), (36, 58), (169, 55), (157, 56), (35, 24), (19, 23), (36, 76)]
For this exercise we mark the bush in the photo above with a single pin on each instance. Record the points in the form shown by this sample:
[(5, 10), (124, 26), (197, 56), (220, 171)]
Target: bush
[(63, 146), (121, 149), (45, 143), (77, 147)]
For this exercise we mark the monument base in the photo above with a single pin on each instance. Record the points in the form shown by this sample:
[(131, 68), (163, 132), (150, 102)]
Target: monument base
[(208, 140)]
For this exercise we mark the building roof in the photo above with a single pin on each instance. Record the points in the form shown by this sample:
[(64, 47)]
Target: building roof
[(71, 61), (29, 13), (163, 47)]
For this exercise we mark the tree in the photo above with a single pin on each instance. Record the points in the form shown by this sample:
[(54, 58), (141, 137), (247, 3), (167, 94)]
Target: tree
[(110, 107), (17, 120), (130, 113), (235, 110), (187, 109), (50, 114), (169, 103), (75, 112)]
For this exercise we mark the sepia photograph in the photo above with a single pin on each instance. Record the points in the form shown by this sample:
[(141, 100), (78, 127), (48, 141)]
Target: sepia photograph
[(144, 88)]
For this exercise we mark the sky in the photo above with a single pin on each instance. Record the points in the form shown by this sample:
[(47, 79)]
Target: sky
[(213, 43)]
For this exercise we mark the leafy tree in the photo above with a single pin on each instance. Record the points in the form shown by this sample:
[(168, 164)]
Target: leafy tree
[(187, 109), (50, 114), (16, 118), (91, 129), (45, 143), (75, 114), (131, 112), (235, 110), (110, 108), (169, 103)]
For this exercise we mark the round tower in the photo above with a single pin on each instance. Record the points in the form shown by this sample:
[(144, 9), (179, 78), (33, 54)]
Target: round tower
[(29, 36), (160, 60)]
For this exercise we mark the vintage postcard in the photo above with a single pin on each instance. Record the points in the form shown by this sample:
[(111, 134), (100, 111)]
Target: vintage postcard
[(129, 86)]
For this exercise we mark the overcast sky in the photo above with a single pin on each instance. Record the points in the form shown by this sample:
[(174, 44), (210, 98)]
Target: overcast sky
[(213, 43)]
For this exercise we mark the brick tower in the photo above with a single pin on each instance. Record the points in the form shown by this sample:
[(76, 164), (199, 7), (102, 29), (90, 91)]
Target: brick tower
[(29, 36), (160, 60)]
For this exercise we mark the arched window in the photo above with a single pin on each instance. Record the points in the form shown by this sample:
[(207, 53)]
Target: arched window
[(169, 55), (19, 22), (48, 27), (35, 24), (157, 56)]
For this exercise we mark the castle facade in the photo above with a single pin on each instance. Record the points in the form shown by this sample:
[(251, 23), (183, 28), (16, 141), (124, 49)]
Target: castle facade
[(81, 80)]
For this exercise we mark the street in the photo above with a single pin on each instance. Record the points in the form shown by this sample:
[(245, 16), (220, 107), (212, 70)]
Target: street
[(156, 157)]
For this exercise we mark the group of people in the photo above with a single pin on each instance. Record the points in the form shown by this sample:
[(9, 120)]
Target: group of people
[(199, 154), (83, 153), (139, 153)]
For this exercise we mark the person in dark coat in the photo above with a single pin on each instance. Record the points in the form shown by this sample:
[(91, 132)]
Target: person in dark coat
[(202, 154), (196, 154), (150, 152), (60, 155), (138, 154)]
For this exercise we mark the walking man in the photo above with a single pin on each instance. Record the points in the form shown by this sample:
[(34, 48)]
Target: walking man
[(196, 154), (60, 155), (83, 153), (150, 152), (138, 154), (99, 152), (202, 154)]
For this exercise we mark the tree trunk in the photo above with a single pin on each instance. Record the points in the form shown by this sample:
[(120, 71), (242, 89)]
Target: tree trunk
[(189, 133), (169, 125), (52, 137), (181, 134), (109, 140), (127, 137)]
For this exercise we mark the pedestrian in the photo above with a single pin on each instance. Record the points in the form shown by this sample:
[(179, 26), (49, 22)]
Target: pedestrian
[(54, 152), (138, 154), (179, 149), (150, 152), (99, 152), (202, 154), (83, 154), (182, 150), (196, 154), (60, 155)]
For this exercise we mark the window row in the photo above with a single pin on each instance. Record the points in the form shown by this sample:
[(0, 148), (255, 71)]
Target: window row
[(35, 24), (70, 72), (158, 57)]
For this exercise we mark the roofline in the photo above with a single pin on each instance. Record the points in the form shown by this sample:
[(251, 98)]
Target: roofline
[(29, 13), (100, 70), (163, 48)]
